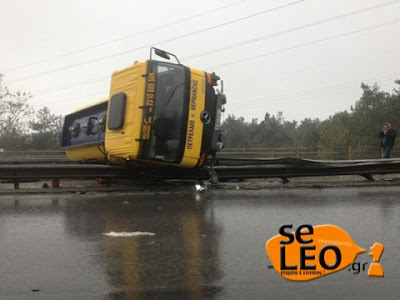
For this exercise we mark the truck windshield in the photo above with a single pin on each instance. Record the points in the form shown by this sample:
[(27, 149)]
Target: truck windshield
[(166, 137)]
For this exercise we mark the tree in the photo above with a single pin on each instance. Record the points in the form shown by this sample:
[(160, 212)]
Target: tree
[(13, 112), (46, 129), (17, 132), (276, 132), (308, 132), (236, 133), (374, 108), (336, 132)]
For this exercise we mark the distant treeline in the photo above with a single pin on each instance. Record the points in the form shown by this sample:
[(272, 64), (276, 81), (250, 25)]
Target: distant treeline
[(358, 127), (23, 128)]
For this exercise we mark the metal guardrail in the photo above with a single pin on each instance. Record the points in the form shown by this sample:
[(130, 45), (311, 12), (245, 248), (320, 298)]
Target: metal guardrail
[(33, 154), (338, 153), (257, 168), (50, 171), (231, 164)]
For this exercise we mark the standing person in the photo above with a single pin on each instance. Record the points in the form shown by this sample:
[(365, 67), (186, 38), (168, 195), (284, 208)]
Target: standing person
[(388, 136)]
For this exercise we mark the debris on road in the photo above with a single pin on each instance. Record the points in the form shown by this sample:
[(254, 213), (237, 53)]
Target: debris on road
[(127, 234)]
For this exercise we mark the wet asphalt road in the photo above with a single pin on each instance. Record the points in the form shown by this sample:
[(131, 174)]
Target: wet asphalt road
[(207, 245)]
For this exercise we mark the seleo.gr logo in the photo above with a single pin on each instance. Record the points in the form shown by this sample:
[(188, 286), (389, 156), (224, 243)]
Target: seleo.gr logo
[(311, 252)]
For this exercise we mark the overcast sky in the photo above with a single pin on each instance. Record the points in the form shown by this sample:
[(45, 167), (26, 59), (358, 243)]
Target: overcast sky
[(278, 56)]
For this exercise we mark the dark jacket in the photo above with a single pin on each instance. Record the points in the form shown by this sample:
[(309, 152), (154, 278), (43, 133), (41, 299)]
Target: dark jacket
[(390, 137)]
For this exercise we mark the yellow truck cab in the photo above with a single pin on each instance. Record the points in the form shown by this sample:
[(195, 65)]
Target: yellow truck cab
[(157, 112)]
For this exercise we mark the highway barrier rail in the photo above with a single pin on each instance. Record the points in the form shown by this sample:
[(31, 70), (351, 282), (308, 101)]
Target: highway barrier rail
[(337, 153), (232, 168), (320, 153)]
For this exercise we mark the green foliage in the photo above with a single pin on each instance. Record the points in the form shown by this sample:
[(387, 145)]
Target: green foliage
[(336, 131), (361, 126), (358, 127), (14, 140), (46, 130), (13, 113), (273, 131), (308, 132), (18, 131), (236, 132)]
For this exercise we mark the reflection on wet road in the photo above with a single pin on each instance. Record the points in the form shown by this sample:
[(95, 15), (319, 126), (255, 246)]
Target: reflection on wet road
[(210, 245)]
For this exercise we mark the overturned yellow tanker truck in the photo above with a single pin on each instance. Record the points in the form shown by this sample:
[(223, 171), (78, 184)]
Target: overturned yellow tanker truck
[(157, 113)]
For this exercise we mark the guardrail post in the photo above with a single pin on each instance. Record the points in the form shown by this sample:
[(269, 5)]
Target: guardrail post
[(272, 152), (55, 182), (382, 153), (350, 153)]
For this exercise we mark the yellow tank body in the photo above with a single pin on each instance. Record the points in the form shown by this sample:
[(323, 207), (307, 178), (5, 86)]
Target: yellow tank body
[(94, 152)]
